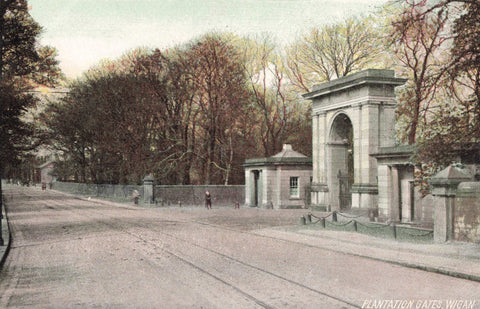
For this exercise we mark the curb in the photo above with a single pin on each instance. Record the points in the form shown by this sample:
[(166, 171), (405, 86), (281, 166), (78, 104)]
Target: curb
[(9, 236), (431, 269)]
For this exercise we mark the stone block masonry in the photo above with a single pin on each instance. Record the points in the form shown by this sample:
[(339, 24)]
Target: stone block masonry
[(195, 195), (466, 215)]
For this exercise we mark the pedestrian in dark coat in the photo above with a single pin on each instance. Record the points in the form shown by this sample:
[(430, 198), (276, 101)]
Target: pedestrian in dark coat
[(208, 200)]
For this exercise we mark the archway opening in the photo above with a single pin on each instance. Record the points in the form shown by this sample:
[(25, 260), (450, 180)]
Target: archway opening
[(341, 170)]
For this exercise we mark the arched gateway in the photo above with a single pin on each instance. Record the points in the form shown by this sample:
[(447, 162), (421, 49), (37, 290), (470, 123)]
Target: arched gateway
[(352, 117)]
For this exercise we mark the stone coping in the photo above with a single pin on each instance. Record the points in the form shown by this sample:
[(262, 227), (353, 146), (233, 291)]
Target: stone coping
[(364, 188), (370, 76), (278, 161), (394, 151)]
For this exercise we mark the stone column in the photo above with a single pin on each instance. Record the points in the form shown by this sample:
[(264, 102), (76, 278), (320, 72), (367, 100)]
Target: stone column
[(322, 148), (320, 198), (315, 142), (384, 191), (266, 192), (365, 189), (248, 187), (444, 190), (276, 187), (315, 179), (356, 118), (148, 189), (395, 210)]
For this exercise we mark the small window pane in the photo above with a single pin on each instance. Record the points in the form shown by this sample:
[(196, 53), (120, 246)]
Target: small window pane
[(294, 187)]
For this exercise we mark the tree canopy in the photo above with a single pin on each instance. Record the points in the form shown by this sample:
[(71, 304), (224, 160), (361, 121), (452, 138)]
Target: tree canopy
[(195, 112), (437, 43), (334, 51), (24, 65)]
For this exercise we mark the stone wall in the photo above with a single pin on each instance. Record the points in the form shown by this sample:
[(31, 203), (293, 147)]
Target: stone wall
[(424, 208), (116, 192), (195, 195), (466, 215), (164, 195)]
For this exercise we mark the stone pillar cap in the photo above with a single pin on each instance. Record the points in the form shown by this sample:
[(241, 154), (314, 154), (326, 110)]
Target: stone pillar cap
[(149, 177), (452, 175)]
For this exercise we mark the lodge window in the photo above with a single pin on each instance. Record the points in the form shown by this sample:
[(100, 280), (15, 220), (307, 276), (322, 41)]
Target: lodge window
[(294, 192)]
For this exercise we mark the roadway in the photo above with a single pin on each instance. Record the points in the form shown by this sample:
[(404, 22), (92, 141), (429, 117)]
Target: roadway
[(69, 252)]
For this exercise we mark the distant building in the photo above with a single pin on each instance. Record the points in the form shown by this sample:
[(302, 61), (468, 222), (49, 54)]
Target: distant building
[(46, 171), (279, 181)]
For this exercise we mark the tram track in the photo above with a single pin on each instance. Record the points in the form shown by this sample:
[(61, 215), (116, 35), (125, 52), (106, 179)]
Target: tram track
[(138, 235), (265, 271), (177, 256)]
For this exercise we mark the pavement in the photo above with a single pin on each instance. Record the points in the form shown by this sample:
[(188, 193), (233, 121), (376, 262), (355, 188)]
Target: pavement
[(457, 259)]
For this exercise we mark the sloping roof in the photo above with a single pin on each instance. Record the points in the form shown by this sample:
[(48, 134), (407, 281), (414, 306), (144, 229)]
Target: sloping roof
[(287, 156), (451, 175), (288, 152)]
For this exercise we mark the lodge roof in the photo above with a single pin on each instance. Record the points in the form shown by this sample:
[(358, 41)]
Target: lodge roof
[(287, 156)]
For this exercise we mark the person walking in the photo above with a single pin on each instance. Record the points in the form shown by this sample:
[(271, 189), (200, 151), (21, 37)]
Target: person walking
[(208, 200), (135, 196)]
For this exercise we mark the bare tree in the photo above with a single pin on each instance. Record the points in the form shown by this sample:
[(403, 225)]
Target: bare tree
[(220, 94), (333, 51), (266, 75), (419, 43)]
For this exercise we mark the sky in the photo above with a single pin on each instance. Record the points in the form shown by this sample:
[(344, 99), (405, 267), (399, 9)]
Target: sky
[(86, 31)]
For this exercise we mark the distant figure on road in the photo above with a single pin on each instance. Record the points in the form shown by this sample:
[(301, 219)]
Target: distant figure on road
[(208, 200), (135, 197)]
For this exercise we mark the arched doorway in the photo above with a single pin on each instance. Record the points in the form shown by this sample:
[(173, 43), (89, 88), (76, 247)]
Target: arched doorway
[(341, 168)]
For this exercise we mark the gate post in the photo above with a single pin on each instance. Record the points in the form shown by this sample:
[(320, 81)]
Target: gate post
[(148, 190), (444, 189)]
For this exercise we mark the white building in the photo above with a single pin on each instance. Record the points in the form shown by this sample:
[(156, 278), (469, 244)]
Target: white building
[(279, 181)]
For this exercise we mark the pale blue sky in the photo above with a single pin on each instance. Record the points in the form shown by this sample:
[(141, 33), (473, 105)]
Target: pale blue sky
[(85, 31)]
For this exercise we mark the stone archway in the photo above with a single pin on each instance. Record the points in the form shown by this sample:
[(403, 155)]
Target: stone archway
[(340, 154), (355, 113)]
